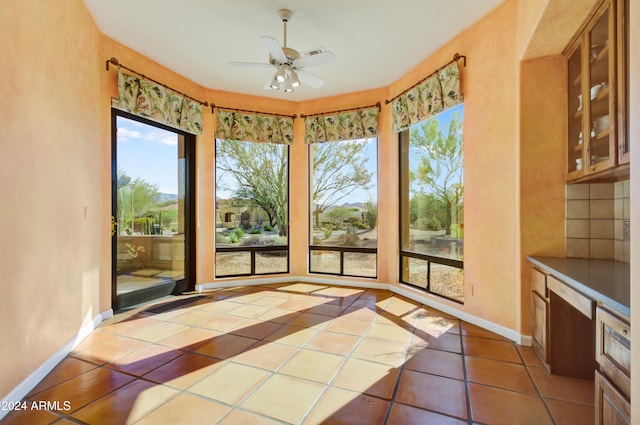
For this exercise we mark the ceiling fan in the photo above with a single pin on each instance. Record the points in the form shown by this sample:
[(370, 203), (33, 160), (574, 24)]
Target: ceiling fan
[(289, 63)]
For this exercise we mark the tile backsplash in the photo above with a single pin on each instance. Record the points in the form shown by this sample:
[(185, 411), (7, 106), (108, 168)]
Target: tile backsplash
[(598, 221)]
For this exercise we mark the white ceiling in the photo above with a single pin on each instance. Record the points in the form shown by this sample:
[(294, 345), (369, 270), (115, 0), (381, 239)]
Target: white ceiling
[(375, 42)]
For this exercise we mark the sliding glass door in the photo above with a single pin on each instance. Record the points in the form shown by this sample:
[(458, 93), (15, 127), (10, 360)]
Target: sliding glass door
[(152, 209)]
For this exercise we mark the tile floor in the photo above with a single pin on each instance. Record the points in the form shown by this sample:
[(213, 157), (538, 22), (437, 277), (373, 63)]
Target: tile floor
[(303, 354)]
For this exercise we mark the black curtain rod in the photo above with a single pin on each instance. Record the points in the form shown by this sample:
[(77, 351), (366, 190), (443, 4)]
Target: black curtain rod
[(377, 105), (115, 62), (456, 58), (213, 106)]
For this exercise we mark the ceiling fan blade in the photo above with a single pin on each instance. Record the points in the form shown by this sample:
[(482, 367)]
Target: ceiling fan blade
[(309, 79), (251, 64), (322, 58), (274, 48)]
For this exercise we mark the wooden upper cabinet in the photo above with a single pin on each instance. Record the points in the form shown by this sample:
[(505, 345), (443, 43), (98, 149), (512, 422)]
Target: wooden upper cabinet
[(597, 82)]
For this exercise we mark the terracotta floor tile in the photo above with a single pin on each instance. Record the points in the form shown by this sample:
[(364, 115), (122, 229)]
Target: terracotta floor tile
[(30, 417), (435, 326), (570, 413), (225, 346), (445, 342), (436, 362), (399, 306), (292, 335), (268, 301), (310, 320), (348, 326), (367, 377), (223, 322), (278, 315), (85, 388), (249, 311), (157, 332), (366, 314), (68, 368), (390, 333), (509, 376), (467, 329), (144, 360), (186, 409), (266, 355), (408, 415), (529, 356), (342, 407), (340, 292), (312, 365), (563, 388), (111, 350), (293, 305), (184, 371), (126, 405), (330, 310), (189, 339), (387, 352), (94, 338), (230, 383), (501, 407), (192, 318), (239, 417), (129, 325), (219, 307), (256, 329), (491, 349), (284, 398), (432, 392), (333, 342)]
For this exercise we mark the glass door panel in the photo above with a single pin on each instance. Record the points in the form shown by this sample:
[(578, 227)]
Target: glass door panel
[(600, 126), (575, 138), (150, 194)]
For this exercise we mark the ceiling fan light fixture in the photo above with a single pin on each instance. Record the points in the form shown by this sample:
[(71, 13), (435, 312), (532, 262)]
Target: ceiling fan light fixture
[(280, 75), (288, 86), (295, 82), (274, 83)]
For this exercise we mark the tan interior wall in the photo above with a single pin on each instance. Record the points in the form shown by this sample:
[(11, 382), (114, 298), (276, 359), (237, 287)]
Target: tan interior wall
[(51, 148), (542, 134)]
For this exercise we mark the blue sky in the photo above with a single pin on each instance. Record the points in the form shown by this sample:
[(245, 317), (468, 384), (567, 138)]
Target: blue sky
[(149, 153)]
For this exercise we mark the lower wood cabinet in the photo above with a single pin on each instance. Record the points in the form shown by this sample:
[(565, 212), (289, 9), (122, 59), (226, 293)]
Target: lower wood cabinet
[(613, 379), (540, 316), (612, 408)]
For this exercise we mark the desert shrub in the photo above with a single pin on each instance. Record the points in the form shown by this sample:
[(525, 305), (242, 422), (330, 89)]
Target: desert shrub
[(220, 238), (316, 241), (349, 239), (328, 230), (233, 237), (238, 232), (255, 231), (428, 223), (353, 220), (362, 226), (268, 228)]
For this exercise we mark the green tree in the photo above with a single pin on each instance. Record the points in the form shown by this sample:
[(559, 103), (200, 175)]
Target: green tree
[(259, 173), (370, 213), (144, 196), (440, 167), (338, 170), (338, 214)]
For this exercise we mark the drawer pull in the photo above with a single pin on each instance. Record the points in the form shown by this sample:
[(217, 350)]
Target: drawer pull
[(624, 331)]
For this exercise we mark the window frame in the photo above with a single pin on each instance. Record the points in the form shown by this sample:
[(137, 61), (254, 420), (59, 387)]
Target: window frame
[(404, 138), (339, 249), (252, 250)]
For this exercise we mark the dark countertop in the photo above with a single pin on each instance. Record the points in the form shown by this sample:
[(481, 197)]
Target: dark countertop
[(605, 281)]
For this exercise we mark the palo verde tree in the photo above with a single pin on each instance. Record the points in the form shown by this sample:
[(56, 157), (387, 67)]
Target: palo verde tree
[(338, 170), (439, 172), (143, 193), (259, 173)]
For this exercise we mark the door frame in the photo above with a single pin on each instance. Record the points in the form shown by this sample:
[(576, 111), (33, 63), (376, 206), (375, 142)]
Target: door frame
[(188, 283)]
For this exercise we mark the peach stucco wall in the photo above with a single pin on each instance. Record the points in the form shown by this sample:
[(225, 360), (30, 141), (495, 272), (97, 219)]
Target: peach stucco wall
[(55, 149), (52, 182)]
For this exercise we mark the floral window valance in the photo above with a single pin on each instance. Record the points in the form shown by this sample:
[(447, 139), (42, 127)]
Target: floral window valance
[(349, 125), (249, 127), (147, 99), (433, 95)]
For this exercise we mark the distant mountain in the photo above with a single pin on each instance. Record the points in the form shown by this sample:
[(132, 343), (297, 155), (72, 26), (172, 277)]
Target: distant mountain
[(165, 198)]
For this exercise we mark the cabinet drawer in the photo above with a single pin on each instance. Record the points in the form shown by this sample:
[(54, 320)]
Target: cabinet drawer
[(539, 325), (613, 349), (539, 282), (580, 302), (612, 408)]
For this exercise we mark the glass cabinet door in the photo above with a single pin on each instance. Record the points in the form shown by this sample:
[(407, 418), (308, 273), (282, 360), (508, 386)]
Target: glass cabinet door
[(575, 138), (601, 122)]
